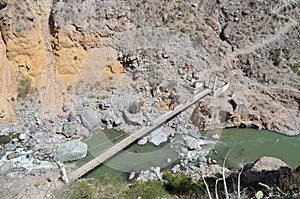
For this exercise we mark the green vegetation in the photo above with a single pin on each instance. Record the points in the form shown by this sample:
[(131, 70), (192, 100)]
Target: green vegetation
[(275, 56), (197, 40), (78, 190), (182, 186), (69, 87), (24, 86), (286, 53), (142, 103), (113, 187), (150, 189), (296, 68)]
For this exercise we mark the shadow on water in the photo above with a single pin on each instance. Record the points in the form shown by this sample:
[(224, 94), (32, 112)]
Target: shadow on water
[(133, 158)]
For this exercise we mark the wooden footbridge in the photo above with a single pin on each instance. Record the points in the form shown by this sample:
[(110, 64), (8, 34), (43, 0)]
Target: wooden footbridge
[(142, 132)]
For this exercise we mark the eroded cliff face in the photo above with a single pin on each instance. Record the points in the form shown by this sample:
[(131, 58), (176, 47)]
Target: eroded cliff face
[(63, 46)]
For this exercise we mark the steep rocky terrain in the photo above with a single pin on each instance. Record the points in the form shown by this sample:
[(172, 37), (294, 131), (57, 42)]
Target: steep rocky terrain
[(253, 44), (59, 58)]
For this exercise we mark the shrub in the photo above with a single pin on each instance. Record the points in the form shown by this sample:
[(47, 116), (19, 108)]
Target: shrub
[(77, 190), (275, 56), (296, 68), (134, 108), (24, 86), (181, 184), (111, 187), (150, 189)]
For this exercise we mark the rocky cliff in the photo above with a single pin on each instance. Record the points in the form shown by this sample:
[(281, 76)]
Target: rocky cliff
[(59, 45)]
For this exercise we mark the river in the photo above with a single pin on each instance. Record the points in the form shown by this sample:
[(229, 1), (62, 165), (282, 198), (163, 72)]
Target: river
[(245, 145)]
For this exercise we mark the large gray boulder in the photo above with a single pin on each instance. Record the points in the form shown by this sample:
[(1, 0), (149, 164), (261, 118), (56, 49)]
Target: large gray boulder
[(268, 164), (192, 143), (89, 119), (133, 119), (84, 132), (71, 150), (157, 137)]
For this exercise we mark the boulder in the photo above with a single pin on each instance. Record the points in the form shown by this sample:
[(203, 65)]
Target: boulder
[(192, 143), (33, 129), (89, 119), (133, 119), (10, 147), (69, 129), (268, 164), (65, 108), (116, 67), (84, 132), (157, 137), (71, 150), (143, 141)]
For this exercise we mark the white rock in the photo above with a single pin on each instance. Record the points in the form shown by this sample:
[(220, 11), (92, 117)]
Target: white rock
[(157, 137), (216, 136), (143, 141), (176, 168), (132, 175), (22, 136)]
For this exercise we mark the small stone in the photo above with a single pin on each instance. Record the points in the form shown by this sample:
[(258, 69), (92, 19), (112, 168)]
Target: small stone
[(118, 122), (69, 129), (33, 129), (176, 168), (184, 150), (143, 141), (169, 160), (109, 126), (10, 147), (85, 104), (22, 136), (131, 176), (70, 117), (65, 108), (13, 155)]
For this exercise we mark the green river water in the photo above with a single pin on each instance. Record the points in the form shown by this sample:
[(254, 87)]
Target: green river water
[(245, 145)]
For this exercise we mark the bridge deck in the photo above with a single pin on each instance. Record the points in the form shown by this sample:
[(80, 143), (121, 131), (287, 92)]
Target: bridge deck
[(133, 137)]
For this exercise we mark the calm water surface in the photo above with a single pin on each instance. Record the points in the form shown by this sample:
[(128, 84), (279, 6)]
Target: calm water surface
[(245, 145)]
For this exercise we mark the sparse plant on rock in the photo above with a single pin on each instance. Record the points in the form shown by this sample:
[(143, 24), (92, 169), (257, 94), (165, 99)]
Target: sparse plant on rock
[(134, 108), (24, 86)]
